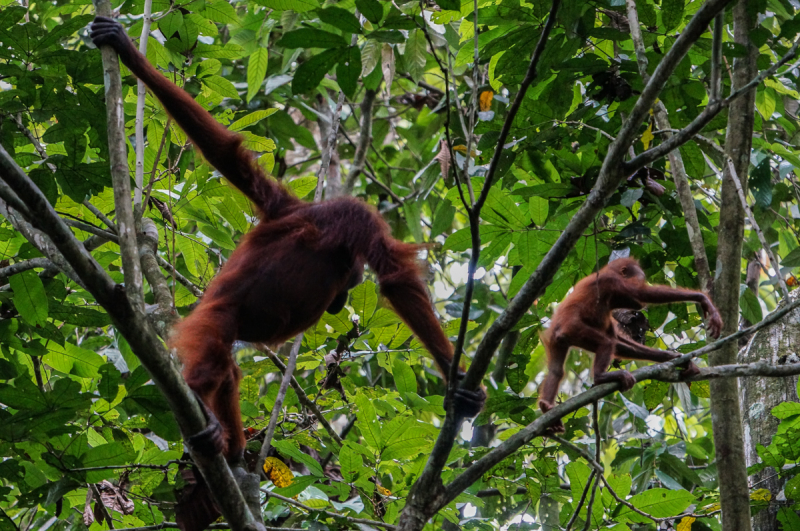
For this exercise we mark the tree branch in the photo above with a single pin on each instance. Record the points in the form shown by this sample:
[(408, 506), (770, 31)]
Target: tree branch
[(288, 375), (351, 519), (115, 115), (364, 141)]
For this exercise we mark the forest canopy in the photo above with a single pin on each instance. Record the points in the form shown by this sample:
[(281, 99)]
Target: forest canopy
[(524, 145)]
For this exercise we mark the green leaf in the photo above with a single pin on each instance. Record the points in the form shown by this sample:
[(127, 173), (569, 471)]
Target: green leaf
[(538, 208), (449, 5), (258, 143), (216, 51), (348, 71), (221, 86), (404, 378), (364, 300), (459, 241), (416, 54), (288, 449), (661, 503), (309, 74), (785, 410), (340, 18), (256, 72), (301, 6), (350, 463), (251, 119), (654, 393), (30, 299), (751, 309), (414, 219), (311, 38), (371, 9), (788, 519), (220, 12), (303, 186), (368, 421), (115, 453), (387, 36), (672, 12), (72, 359)]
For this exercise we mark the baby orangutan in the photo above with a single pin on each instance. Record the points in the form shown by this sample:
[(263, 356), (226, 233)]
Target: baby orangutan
[(583, 320)]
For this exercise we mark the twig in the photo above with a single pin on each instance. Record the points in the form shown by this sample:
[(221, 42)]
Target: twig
[(328, 147), (155, 166), (351, 519), (364, 141), (474, 213), (303, 397), (99, 215), (276, 409), (191, 286), (596, 427), (25, 265), (141, 93)]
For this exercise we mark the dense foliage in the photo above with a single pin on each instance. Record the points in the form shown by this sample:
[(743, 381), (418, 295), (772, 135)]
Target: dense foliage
[(78, 413)]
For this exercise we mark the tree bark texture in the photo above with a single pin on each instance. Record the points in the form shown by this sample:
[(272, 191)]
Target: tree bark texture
[(725, 413), (758, 396)]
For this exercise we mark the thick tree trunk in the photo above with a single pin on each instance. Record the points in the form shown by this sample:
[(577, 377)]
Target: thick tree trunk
[(775, 345), (725, 413)]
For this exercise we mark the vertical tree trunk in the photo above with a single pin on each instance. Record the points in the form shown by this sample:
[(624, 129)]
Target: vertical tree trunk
[(760, 395), (725, 413)]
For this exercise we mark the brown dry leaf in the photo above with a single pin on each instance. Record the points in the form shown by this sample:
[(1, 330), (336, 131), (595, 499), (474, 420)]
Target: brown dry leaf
[(444, 158), (114, 498), (278, 472), (486, 100)]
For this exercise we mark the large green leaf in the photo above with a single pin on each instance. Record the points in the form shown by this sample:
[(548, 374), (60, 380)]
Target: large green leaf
[(309, 74), (30, 299), (256, 72)]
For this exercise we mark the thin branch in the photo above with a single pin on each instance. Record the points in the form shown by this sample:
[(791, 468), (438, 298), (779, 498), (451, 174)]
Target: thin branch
[(306, 508), (99, 215), (582, 499), (25, 265), (716, 59), (364, 141), (288, 374), (191, 286), (303, 397), (754, 224), (475, 213), (115, 116), (329, 144), (141, 93)]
